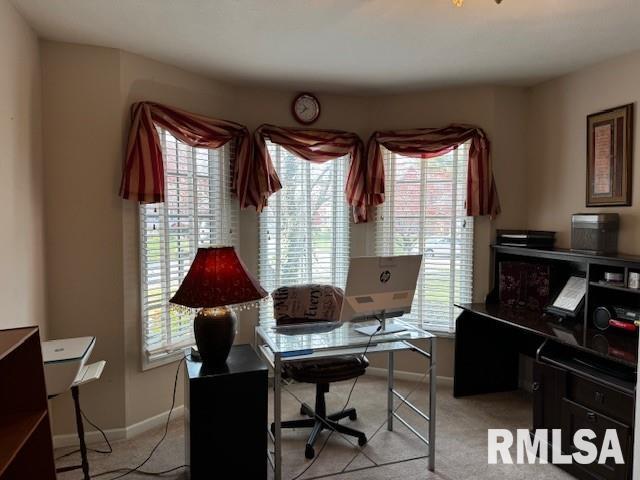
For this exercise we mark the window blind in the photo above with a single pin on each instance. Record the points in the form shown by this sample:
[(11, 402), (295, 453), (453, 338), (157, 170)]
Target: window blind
[(198, 211), (304, 232), (424, 212)]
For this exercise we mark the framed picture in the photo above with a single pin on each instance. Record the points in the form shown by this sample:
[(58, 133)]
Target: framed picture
[(610, 157)]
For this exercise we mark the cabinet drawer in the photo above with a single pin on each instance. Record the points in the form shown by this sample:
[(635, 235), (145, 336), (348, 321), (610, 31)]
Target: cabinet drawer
[(602, 399), (576, 417)]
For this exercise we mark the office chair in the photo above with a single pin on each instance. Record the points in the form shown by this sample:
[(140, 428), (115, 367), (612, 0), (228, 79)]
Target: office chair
[(313, 303)]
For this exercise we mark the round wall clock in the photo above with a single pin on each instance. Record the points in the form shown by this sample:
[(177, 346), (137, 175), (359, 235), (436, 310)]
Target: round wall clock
[(305, 108)]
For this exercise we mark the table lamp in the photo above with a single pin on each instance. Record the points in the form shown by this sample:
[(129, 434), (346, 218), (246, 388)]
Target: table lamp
[(216, 280)]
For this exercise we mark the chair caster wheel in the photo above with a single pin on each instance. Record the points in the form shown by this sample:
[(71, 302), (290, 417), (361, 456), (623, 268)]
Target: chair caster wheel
[(309, 452), (353, 417), (303, 411), (362, 441)]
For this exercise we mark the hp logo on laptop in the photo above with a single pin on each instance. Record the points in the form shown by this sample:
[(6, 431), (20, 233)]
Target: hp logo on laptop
[(385, 276)]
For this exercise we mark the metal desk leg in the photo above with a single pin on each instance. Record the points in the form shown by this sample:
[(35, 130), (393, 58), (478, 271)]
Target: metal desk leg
[(432, 406), (75, 393), (390, 373), (277, 411)]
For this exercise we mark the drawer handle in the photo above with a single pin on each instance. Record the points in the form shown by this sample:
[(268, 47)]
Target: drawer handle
[(535, 386), (591, 416), (599, 397)]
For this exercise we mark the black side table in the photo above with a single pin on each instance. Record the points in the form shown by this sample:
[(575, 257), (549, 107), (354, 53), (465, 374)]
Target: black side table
[(226, 417)]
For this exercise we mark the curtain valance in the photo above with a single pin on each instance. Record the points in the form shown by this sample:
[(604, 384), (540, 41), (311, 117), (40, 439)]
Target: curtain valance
[(318, 146), (143, 173), (482, 196)]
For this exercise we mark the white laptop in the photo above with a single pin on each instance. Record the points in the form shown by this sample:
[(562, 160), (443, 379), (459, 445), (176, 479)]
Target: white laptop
[(380, 286)]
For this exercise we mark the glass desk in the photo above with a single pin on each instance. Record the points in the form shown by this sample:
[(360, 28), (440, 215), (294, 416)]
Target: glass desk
[(279, 345)]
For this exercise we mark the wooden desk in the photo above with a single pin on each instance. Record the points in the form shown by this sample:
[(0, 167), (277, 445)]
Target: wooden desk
[(582, 375), (497, 334)]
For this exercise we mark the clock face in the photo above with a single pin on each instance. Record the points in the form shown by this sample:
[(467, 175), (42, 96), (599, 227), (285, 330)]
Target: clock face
[(306, 108)]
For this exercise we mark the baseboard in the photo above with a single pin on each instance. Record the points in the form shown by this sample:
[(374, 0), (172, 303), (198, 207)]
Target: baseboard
[(153, 422), (114, 434), (409, 376), (93, 436)]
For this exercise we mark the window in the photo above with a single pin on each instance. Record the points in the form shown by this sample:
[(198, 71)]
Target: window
[(424, 212), (304, 232), (198, 212)]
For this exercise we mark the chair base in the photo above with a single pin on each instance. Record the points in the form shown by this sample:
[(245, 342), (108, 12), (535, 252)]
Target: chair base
[(320, 421)]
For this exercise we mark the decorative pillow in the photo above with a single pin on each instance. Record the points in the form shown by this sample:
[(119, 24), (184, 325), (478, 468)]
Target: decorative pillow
[(307, 303)]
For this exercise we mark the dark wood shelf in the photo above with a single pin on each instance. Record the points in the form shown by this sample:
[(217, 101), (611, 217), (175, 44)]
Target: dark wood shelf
[(26, 449), (565, 254), (12, 339), (15, 433), (615, 287)]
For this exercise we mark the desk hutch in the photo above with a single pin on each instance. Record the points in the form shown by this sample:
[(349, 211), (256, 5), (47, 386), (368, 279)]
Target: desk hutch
[(583, 377)]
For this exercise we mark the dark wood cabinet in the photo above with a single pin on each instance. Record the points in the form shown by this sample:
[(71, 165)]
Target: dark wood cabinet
[(226, 417), (565, 400), (549, 386), (576, 417), (26, 449)]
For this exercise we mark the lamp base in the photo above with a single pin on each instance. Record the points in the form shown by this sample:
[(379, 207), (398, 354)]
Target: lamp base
[(215, 330)]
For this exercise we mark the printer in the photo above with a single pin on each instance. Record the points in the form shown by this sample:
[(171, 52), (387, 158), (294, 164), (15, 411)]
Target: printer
[(63, 362)]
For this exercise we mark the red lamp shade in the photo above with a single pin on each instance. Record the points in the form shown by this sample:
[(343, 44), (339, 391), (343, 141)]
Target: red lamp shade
[(217, 278)]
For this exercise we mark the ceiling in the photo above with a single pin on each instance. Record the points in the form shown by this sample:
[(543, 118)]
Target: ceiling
[(356, 46)]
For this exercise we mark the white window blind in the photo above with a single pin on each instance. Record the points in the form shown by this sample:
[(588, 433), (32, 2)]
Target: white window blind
[(198, 211), (424, 212), (304, 232)]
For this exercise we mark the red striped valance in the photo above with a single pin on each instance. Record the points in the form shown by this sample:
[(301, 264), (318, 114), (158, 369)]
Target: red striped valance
[(482, 196), (143, 174), (319, 146)]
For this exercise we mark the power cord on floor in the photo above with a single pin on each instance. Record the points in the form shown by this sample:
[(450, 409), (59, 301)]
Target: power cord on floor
[(77, 450), (137, 469), (144, 472), (355, 382)]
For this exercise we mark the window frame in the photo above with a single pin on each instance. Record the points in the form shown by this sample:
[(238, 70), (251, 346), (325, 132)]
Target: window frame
[(338, 182), (388, 208), (229, 209)]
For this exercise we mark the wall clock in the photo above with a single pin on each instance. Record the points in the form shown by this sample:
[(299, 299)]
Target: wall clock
[(305, 108)]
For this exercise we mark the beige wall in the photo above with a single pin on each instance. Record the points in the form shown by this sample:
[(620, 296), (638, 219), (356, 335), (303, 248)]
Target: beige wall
[(92, 235), (83, 153), (22, 276), (556, 165)]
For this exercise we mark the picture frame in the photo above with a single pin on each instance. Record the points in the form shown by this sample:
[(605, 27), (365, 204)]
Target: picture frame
[(610, 157)]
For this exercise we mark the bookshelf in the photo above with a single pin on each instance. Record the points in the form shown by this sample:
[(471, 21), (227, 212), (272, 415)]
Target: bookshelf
[(26, 449)]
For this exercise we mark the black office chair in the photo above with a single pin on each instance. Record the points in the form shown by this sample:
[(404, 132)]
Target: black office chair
[(313, 303)]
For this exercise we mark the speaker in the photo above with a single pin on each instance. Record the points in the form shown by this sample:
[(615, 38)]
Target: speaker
[(601, 317)]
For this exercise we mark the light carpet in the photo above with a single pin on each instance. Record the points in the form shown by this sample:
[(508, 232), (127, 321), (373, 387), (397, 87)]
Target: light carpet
[(461, 439)]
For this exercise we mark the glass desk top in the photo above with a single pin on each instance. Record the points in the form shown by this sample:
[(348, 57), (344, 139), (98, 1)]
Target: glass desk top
[(332, 335)]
